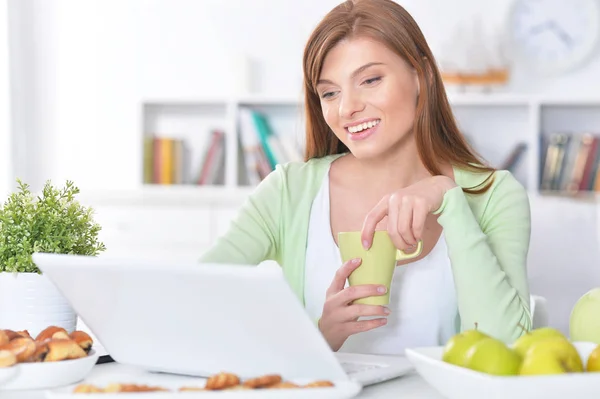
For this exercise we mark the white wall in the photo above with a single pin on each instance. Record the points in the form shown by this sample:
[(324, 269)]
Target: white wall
[(82, 67), (5, 141), (33, 56)]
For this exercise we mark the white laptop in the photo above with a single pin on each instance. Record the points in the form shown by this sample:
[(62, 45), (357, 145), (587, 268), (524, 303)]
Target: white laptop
[(200, 319)]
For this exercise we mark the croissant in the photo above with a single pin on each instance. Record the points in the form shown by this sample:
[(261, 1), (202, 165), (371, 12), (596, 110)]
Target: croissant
[(319, 384), (83, 340), (222, 381), (25, 334), (284, 385), (52, 332), (3, 338), (16, 334), (21, 347), (132, 388), (7, 358), (40, 353), (63, 349), (263, 381), (87, 388)]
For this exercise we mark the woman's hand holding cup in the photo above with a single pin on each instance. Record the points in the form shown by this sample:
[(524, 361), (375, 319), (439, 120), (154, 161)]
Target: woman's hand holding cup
[(340, 315)]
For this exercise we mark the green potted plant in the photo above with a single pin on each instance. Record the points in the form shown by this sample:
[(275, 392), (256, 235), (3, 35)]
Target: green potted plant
[(52, 222)]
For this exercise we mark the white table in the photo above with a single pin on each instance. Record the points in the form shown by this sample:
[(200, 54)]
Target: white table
[(411, 386)]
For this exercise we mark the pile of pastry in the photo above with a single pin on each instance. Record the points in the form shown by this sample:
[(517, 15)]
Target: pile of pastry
[(53, 344), (218, 382)]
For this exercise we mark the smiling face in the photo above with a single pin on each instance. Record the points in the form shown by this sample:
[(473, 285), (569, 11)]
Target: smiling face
[(368, 97)]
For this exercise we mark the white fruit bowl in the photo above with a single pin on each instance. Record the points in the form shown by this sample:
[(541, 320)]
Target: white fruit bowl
[(28, 376), (454, 382)]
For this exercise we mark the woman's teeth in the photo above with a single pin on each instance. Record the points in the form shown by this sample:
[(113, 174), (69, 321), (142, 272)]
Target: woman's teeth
[(363, 126)]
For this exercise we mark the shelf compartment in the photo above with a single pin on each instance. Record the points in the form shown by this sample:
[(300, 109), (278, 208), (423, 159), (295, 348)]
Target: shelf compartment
[(189, 126), (497, 133), (569, 148)]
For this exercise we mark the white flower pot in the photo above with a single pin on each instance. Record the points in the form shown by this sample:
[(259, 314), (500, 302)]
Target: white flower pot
[(30, 301)]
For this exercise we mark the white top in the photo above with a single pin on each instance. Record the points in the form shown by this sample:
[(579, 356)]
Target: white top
[(423, 302)]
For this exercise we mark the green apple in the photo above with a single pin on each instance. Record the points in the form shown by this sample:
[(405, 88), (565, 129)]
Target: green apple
[(554, 355), (524, 342), (593, 362), (457, 346), (492, 356), (584, 323)]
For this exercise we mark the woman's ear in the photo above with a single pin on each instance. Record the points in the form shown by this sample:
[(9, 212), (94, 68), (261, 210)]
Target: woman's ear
[(418, 87), (417, 81)]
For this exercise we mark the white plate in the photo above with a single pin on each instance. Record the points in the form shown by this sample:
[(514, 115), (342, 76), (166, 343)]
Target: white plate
[(341, 390), (6, 374), (50, 374), (455, 382)]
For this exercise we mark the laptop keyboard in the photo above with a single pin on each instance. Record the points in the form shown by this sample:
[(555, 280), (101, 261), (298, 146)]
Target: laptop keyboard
[(352, 367)]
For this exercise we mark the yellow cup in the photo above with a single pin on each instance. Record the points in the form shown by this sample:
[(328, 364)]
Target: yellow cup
[(378, 262)]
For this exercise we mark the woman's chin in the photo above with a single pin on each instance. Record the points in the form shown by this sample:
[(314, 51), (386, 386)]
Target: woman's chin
[(367, 153)]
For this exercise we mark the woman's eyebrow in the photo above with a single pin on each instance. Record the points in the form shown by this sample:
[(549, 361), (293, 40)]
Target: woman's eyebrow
[(354, 74)]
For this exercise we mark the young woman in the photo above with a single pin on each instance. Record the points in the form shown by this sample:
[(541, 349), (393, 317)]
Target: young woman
[(383, 152)]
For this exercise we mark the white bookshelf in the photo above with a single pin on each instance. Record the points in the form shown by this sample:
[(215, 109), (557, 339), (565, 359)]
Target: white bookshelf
[(193, 119), (494, 123), (178, 223)]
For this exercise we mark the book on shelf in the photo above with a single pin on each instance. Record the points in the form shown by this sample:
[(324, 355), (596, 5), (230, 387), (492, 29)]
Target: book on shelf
[(570, 162), (167, 161), (514, 158), (212, 168), (262, 148)]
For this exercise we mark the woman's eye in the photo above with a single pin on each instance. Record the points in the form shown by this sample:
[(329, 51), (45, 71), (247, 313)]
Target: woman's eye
[(372, 80), (327, 94)]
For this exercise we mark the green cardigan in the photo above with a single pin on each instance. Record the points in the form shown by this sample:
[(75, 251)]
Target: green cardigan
[(487, 236)]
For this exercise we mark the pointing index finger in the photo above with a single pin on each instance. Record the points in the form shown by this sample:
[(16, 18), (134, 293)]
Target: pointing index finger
[(373, 217)]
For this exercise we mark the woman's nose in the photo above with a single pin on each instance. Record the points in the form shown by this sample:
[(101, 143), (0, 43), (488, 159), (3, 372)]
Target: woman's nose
[(350, 104)]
